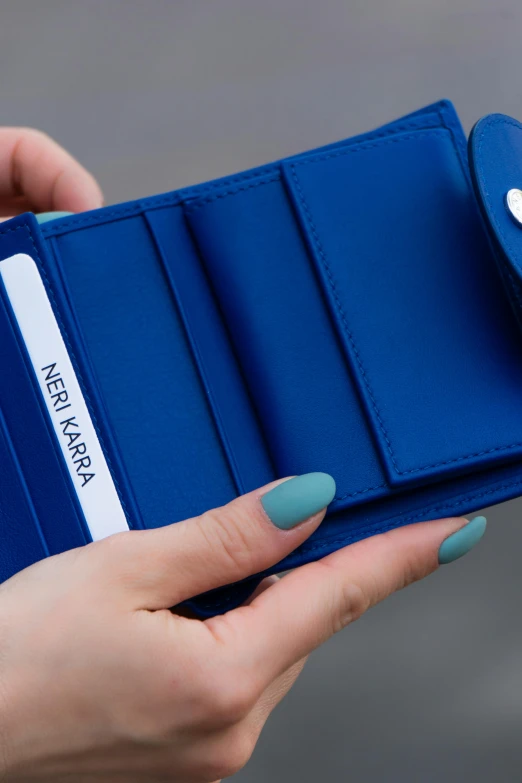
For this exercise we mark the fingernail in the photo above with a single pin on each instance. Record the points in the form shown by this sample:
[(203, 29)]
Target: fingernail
[(45, 217), (459, 543), (298, 499)]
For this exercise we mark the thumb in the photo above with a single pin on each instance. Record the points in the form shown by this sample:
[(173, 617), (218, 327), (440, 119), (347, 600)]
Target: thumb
[(165, 566)]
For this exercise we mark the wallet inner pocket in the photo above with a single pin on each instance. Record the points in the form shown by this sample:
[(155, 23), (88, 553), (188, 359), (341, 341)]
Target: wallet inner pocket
[(397, 242)]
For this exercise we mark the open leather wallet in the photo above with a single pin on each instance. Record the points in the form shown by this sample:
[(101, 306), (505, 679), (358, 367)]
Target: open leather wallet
[(356, 310)]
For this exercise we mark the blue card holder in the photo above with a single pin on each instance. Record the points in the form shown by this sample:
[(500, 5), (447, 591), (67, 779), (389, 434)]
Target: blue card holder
[(353, 310)]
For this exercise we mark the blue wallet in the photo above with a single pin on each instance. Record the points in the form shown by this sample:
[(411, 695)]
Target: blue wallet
[(355, 310)]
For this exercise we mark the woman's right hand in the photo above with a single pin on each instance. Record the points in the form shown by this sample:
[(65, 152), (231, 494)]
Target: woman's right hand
[(99, 681)]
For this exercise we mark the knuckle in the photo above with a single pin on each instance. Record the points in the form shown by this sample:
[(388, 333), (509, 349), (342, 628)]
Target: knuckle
[(121, 546), (354, 603), (120, 556), (29, 144), (413, 569), (349, 600), (227, 531), (230, 700)]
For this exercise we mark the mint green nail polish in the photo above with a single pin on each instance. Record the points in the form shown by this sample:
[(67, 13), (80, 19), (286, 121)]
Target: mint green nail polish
[(45, 217), (299, 498), (460, 543)]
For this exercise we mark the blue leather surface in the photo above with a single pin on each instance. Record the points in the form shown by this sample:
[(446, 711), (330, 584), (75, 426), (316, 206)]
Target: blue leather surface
[(341, 311)]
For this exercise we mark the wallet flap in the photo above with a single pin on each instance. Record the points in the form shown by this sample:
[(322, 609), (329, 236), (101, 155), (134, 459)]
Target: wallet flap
[(402, 258)]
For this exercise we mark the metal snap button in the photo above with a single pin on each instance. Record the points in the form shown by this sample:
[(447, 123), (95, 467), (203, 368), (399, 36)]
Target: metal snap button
[(514, 204)]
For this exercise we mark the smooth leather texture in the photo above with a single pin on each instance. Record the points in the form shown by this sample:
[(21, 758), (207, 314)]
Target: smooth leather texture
[(339, 311)]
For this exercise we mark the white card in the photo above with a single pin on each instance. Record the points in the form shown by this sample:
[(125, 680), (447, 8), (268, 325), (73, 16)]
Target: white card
[(63, 397)]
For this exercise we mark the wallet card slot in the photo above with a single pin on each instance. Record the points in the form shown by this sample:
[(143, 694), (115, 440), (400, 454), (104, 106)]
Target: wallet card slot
[(149, 383), (211, 349), (281, 329), (403, 260), (57, 519)]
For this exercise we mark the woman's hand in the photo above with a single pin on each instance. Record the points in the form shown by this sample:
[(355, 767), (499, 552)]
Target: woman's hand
[(100, 681), (38, 175)]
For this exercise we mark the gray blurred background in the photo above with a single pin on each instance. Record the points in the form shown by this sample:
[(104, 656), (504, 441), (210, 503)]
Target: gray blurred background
[(154, 95)]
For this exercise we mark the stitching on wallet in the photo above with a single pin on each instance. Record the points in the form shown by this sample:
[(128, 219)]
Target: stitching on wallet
[(174, 199), (359, 492), (460, 148), (73, 357), (123, 212), (384, 527), (417, 517), (367, 145), (193, 207)]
